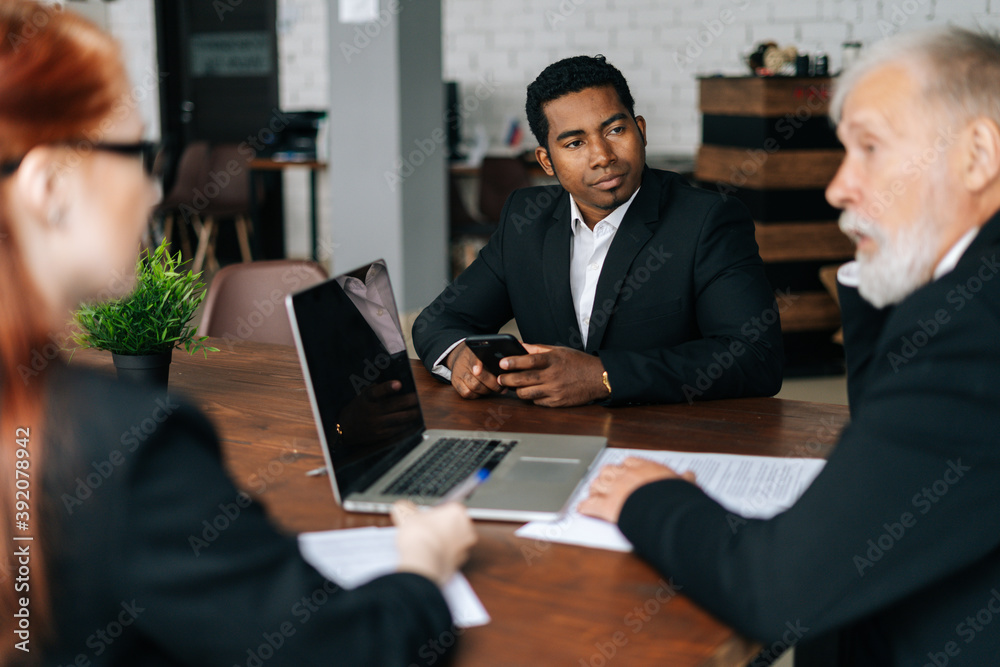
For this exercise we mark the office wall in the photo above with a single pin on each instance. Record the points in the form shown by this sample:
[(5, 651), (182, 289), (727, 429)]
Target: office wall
[(494, 48), (661, 45)]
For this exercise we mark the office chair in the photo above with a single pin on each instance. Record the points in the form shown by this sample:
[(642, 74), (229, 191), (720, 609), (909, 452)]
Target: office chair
[(247, 301), (498, 177), (226, 187), (179, 202)]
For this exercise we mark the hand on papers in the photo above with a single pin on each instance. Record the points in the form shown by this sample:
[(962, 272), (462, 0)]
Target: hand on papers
[(435, 542), (468, 376), (615, 483), (554, 376)]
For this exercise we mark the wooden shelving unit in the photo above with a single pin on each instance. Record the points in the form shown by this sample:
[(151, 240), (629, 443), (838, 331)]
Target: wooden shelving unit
[(768, 141)]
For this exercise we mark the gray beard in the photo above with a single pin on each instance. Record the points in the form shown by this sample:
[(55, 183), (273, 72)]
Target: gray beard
[(900, 265)]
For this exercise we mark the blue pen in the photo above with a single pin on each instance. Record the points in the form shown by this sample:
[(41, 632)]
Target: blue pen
[(465, 488)]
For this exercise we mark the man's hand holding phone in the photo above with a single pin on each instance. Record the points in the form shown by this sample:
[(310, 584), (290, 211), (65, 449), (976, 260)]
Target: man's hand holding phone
[(468, 376), (545, 375), (555, 377)]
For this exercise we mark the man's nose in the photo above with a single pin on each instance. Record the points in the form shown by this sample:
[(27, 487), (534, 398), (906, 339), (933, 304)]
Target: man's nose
[(842, 190)]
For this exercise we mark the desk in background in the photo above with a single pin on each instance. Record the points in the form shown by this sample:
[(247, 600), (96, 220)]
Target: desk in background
[(269, 164), (552, 604)]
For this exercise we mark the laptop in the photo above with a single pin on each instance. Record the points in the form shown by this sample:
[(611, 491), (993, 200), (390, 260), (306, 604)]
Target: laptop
[(372, 431)]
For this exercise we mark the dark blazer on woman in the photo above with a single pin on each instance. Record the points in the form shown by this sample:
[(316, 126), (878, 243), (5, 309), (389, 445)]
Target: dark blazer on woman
[(157, 559)]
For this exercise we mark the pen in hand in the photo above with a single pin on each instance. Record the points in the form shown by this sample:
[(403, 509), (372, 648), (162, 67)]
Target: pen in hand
[(464, 489)]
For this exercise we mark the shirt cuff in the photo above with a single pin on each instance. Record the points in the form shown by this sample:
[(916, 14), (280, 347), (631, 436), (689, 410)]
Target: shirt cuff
[(440, 369), (847, 275)]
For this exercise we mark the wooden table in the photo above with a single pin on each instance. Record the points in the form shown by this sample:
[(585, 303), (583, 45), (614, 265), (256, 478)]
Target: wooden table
[(551, 604)]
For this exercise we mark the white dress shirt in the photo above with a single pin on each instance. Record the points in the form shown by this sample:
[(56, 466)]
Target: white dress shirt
[(373, 299), (587, 252)]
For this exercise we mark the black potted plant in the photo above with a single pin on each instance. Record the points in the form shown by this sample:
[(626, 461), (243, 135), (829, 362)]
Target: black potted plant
[(142, 329)]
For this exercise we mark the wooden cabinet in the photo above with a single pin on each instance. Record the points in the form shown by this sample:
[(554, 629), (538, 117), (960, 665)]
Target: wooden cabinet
[(768, 141)]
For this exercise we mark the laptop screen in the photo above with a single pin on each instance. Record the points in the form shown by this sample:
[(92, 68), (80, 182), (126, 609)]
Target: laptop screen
[(352, 344)]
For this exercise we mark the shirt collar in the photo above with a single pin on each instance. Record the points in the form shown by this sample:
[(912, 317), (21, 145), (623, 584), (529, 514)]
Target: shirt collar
[(614, 218), (950, 260)]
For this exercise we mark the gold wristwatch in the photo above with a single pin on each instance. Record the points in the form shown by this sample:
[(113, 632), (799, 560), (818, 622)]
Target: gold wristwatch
[(606, 383)]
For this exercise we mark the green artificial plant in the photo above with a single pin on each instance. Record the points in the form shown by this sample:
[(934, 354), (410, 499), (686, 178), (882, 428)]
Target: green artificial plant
[(154, 318)]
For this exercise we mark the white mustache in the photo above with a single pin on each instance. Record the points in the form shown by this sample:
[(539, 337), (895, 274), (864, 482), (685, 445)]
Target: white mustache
[(855, 226)]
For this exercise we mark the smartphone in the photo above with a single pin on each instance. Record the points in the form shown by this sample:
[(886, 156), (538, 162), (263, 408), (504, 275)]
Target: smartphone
[(492, 348)]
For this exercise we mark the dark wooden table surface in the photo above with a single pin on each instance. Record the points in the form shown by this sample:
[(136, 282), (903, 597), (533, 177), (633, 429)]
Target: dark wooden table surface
[(551, 604)]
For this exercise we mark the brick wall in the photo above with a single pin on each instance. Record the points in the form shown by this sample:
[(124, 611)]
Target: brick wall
[(494, 48), (661, 45)]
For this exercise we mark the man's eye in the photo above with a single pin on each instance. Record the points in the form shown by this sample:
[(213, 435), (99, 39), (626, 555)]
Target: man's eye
[(617, 130), (574, 144)]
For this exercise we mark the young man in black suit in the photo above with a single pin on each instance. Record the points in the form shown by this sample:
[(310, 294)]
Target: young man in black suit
[(627, 284), (894, 551)]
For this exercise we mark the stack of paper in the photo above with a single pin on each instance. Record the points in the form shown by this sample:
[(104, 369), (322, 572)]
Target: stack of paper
[(356, 556)]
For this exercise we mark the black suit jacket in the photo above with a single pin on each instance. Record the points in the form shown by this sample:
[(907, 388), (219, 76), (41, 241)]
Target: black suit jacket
[(683, 309), (896, 544), (157, 559)]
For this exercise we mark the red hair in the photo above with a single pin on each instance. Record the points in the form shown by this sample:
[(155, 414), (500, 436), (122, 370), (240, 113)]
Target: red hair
[(60, 76)]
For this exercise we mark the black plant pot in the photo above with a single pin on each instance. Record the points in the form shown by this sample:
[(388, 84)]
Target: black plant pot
[(151, 369)]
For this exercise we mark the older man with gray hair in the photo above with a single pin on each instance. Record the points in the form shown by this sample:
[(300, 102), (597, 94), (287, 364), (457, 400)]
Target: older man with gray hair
[(894, 551)]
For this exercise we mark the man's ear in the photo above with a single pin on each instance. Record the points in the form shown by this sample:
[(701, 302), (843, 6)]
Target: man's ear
[(641, 123), (981, 154), (542, 155)]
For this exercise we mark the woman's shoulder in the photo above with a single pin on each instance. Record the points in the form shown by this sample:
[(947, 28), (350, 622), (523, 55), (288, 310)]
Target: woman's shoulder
[(101, 413)]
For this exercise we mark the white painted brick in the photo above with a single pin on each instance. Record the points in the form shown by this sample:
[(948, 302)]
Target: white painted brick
[(513, 40), (632, 37), (491, 60), (470, 41), (609, 20), (655, 16), (828, 33), (783, 34)]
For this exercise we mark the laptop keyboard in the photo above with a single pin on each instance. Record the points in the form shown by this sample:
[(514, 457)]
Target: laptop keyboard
[(447, 463)]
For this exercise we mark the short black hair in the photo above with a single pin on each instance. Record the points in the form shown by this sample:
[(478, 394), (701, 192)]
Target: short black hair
[(571, 75)]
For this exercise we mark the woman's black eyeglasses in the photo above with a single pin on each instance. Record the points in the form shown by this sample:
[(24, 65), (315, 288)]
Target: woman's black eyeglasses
[(147, 150)]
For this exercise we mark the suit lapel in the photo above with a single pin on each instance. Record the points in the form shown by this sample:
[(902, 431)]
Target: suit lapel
[(632, 235), (555, 263)]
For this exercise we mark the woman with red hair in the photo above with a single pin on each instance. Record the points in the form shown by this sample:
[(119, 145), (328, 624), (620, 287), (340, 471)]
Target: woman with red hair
[(113, 579)]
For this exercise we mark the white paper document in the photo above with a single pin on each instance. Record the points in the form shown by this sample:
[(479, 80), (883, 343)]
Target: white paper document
[(356, 556), (755, 487)]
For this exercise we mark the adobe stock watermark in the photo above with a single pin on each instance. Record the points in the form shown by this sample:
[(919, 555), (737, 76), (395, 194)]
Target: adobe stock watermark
[(815, 102), (102, 470), (625, 289), (635, 621), (268, 305), (262, 478), (103, 637), (120, 110), (29, 30), (792, 635), (923, 502), (958, 297), (212, 528), (913, 168), (372, 30), (425, 147), (247, 150), (752, 330), (565, 9), (703, 39), (899, 15)]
